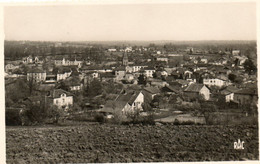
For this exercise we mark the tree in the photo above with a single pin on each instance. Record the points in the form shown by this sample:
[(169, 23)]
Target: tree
[(146, 107), (154, 75), (94, 88), (141, 80), (236, 62), (54, 113), (31, 85), (63, 86), (134, 115), (17, 91), (156, 100), (249, 66), (232, 77)]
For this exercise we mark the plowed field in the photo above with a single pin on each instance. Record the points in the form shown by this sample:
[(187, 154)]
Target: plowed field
[(129, 143)]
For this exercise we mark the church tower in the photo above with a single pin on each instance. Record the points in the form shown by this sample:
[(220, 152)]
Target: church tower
[(125, 59)]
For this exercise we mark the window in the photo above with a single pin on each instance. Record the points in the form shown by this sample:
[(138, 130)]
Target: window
[(57, 101)]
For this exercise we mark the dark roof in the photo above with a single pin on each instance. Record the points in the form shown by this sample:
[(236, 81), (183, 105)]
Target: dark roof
[(182, 82), (44, 88), (75, 73), (133, 97), (59, 57), (107, 75), (152, 90), (247, 91), (33, 98), (170, 89), (125, 97), (230, 89), (202, 65), (56, 93), (194, 88), (149, 68), (170, 78), (141, 64), (121, 68), (50, 75), (62, 71), (77, 58), (36, 70), (93, 67), (72, 81)]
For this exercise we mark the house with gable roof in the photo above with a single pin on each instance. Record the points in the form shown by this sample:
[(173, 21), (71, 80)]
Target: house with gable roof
[(195, 91), (150, 92), (228, 92), (215, 82), (60, 98), (36, 75), (246, 96), (120, 73), (126, 102), (63, 73)]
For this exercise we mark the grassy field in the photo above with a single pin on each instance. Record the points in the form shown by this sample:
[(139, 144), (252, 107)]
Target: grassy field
[(92, 142)]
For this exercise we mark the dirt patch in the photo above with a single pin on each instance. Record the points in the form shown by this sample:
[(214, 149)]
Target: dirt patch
[(114, 143)]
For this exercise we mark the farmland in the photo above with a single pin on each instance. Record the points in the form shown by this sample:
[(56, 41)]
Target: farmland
[(92, 142)]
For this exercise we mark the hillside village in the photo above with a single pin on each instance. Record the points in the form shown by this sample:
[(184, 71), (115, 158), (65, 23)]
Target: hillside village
[(121, 81)]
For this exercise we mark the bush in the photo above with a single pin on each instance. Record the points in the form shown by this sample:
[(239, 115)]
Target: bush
[(148, 120), (176, 122), (189, 122), (117, 119), (35, 114), (54, 114), (12, 117), (81, 117), (100, 118)]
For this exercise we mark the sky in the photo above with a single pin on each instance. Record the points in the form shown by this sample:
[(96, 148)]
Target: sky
[(178, 21)]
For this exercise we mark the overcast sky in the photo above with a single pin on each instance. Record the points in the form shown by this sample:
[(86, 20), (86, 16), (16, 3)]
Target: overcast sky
[(212, 21)]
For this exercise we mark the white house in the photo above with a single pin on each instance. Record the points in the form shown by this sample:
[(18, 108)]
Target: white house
[(241, 59), (134, 103), (125, 103), (30, 60), (214, 82), (235, 52), (63, 74), (149, 71), (61, 61), (136, 68), (204, 60), (128, 49), (36, 75), (165, 59), (60, 98), (228, 92), (10, 67), (194, 91), (111, 50)]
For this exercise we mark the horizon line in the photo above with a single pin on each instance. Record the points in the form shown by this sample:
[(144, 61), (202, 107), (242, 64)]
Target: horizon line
[(132, 40)]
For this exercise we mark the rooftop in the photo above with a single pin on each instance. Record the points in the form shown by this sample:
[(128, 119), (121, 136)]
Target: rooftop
[(152, 90), (194, 88), (56, 93), (247, 91)]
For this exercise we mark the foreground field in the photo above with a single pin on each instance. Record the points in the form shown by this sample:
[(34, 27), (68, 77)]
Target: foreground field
[(134, 143)]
